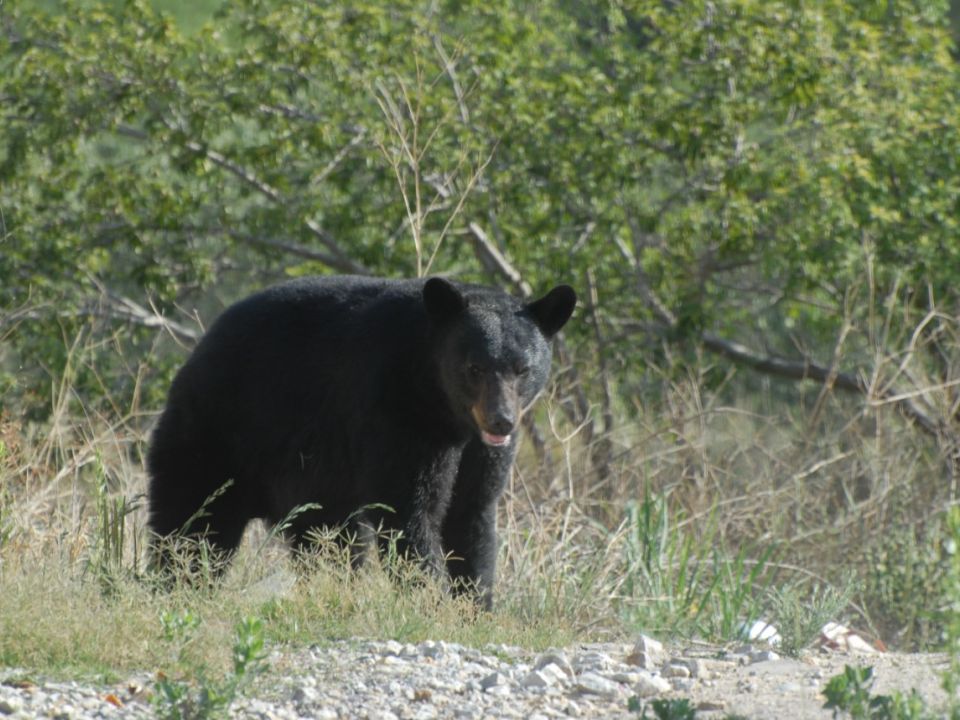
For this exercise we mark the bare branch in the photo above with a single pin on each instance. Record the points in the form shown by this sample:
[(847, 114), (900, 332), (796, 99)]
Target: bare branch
[(337, 258), (450, 67), (344, 261), (261, 186), (337, 262), (339, 157), (495, 262), (115, 306), (806, 369)]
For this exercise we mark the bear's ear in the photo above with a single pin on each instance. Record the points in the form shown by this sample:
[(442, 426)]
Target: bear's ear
[(442, 300), (552, 311)]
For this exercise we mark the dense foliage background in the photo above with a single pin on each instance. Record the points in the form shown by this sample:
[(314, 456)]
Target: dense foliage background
[(747, 194)]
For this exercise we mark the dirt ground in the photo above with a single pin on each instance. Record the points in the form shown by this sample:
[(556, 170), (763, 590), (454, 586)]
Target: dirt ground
[(792, 688)]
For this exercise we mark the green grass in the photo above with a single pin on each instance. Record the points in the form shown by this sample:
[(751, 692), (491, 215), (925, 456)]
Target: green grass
[(849, 694)]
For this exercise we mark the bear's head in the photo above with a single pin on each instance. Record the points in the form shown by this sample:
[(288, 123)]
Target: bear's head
[(493, 351)]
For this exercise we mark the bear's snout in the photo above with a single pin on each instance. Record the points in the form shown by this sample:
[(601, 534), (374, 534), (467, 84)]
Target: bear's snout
[(495, 413)]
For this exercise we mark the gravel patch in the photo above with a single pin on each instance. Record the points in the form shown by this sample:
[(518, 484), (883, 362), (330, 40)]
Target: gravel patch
[(377, 680)]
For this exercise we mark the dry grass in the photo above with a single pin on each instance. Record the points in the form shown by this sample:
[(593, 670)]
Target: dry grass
[(737, 489)]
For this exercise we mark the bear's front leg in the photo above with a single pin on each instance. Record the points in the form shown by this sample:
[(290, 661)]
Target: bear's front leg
[(470, 526), (470, 541), (420, 519)]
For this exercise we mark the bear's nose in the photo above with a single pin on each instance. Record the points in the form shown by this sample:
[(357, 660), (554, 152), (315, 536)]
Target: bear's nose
[(501, 423)]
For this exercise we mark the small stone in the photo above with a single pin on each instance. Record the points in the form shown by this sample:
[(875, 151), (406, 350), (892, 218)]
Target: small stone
[(762, 631), (467, 712), (424, 712), (593, 684), (431, 649), (647, 653), (648, 644), (382, 715), (591, 661), (9, 706), (682, 684), (746, 686), (675, 670), (493, 680), (649, 685), (557, 660), (392, 647), (305, 695), (763, 656), (711, 705), (548, 676)]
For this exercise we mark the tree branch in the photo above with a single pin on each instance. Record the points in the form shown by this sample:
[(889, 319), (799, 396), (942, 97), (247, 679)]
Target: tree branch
[(338, 263), (337, 259), (115, 306), (806, 369), (495, 262)]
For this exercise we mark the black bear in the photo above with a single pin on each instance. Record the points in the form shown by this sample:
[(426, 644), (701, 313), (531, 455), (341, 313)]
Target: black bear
[(356, 393)]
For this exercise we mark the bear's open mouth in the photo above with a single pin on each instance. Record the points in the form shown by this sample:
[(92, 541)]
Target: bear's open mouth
[(494, 440)]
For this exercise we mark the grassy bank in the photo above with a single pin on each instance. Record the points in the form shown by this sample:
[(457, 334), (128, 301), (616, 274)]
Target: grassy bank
[(706, 516)]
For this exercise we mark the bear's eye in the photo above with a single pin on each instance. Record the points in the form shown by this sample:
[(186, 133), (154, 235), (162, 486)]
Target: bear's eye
[(474, 371), (523, 370)]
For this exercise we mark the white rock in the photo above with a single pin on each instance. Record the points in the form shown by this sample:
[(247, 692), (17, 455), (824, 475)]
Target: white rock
[(547, 676), (382, 715), (424, 712), (839, 637), (560, 675), (556, 659), (592, 661), (431, 649), (501, 690), (676, 670), (392, 647), (649, 644), (9, 706), (493, 680), (647, 653), (760, 630), (763, 656), (650, 685), (535, 679), (593, 684)]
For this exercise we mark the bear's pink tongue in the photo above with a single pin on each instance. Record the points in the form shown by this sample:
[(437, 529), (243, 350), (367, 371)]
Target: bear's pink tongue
[(495, 440)]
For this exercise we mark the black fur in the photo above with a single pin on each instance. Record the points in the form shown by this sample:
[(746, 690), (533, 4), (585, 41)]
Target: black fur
[(349, 392)]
